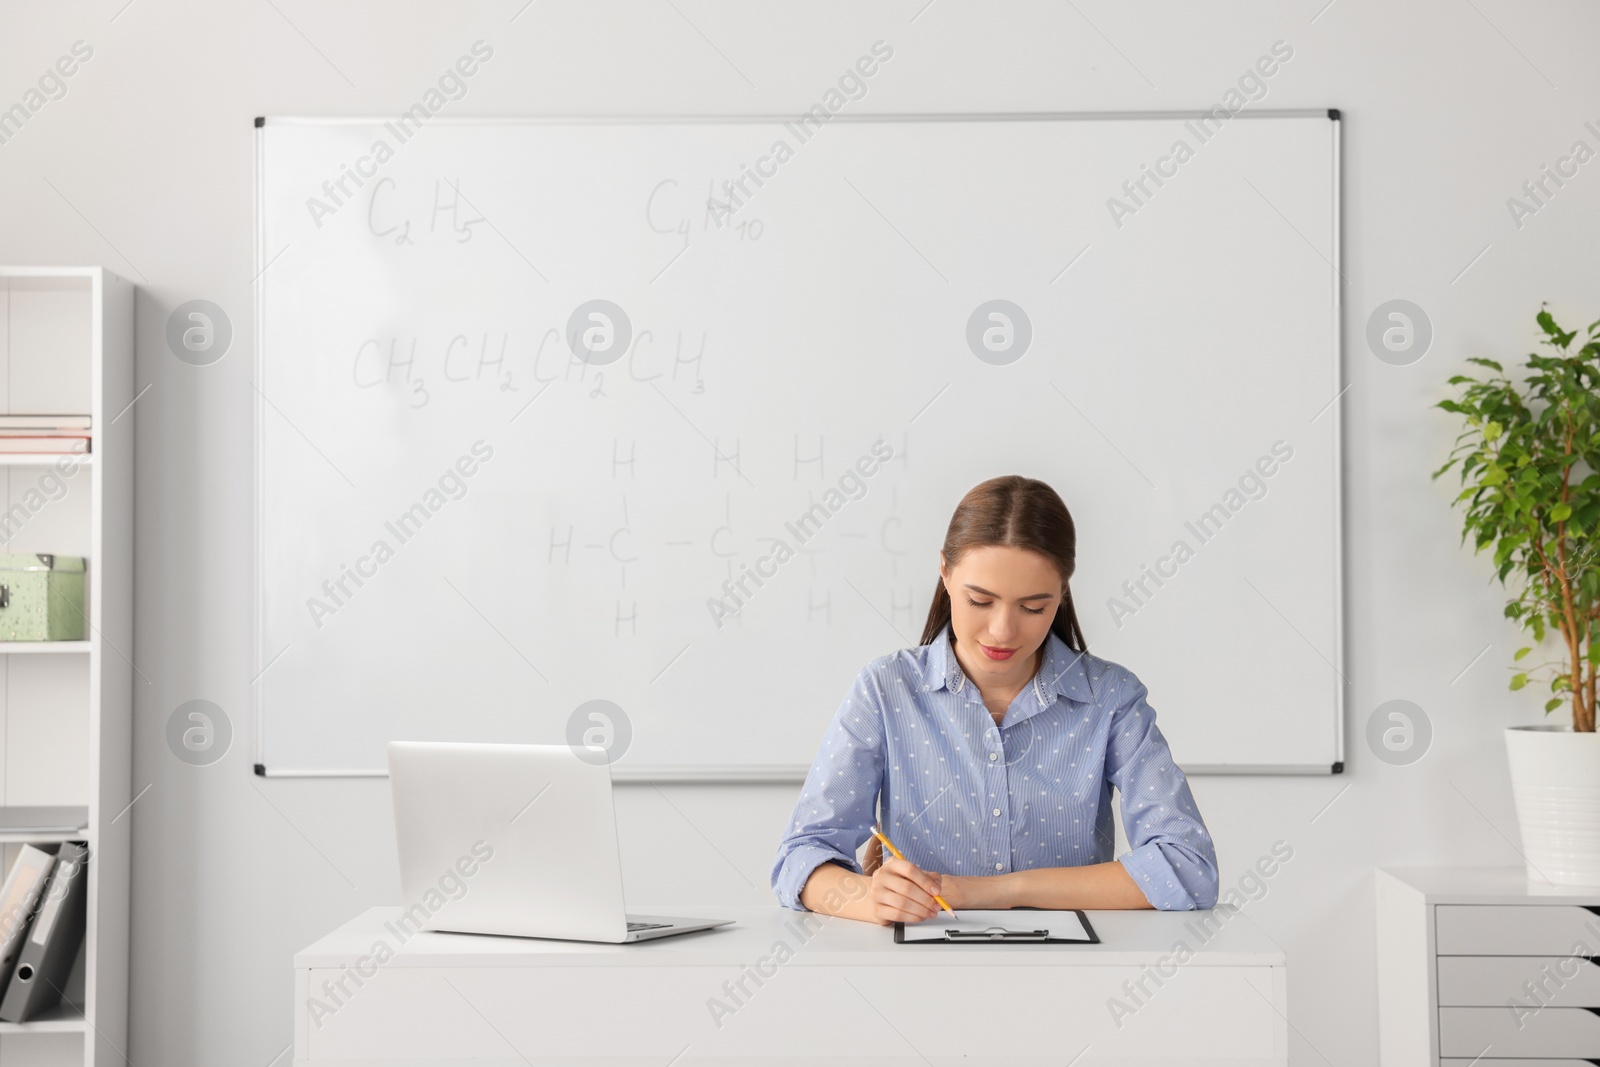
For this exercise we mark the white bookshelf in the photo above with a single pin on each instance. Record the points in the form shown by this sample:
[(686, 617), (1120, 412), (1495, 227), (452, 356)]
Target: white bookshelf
[(66, 348)]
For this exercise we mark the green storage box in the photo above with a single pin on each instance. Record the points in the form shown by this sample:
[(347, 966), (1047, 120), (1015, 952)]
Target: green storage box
[(41, 598)]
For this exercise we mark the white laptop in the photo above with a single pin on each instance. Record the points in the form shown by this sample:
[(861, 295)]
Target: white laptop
[(513, 839)]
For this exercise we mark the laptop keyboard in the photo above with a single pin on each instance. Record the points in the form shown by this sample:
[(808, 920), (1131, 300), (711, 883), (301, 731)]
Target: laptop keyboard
[(632, 926)]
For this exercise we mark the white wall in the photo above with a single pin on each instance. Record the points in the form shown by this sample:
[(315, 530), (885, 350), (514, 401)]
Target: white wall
[(146, 166)]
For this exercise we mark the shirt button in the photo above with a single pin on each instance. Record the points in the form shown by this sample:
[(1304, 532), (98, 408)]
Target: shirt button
[(997, 813), (999, 867), (994, 756)]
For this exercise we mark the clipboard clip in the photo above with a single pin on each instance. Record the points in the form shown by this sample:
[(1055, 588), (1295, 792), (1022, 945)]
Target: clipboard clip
[(996, 933)]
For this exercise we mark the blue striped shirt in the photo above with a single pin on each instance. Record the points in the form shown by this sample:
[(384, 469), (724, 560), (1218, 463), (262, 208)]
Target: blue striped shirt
[(960, 795)]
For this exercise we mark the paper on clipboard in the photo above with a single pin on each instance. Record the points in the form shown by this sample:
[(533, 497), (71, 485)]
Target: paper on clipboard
[(1013, 926)]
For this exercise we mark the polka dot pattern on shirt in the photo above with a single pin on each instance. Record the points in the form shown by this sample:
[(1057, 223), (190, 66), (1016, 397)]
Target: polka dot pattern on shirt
[(961, 795)]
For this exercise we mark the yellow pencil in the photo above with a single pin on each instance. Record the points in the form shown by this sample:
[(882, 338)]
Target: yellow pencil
[(881, 836)]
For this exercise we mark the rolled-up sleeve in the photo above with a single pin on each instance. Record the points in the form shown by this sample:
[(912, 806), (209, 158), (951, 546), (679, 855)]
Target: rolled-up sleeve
[(838, 802), (1170, 856)]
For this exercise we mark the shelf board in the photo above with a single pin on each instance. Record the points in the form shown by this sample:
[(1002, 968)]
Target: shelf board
[(42, 459), (34, 837), (18, 271), (58, 1020), (16, 647), (33, 822)]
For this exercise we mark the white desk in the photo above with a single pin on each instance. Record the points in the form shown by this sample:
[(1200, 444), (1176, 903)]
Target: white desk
[(831, 990)]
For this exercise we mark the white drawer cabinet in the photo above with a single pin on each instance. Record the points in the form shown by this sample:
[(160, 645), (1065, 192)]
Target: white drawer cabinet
[(1481, 967)]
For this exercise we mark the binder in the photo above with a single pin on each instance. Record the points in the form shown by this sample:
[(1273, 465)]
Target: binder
[(1013, 926), (52, 944), (21, 893)]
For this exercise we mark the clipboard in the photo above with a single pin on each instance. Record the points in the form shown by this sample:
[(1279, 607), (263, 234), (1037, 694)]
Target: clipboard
[(1013, 926)]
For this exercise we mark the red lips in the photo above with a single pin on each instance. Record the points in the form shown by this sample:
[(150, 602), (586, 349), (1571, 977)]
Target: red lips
[(997, 653)]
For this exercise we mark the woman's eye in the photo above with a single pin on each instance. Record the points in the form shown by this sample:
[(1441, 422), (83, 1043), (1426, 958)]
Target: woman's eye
[(987, 603)]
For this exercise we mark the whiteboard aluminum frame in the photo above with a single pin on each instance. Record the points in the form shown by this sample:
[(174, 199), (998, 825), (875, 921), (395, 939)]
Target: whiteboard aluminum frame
[(781, 773), (796, 773)]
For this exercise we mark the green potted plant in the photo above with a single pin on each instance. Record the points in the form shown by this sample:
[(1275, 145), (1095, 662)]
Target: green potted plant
[(1530, 474)]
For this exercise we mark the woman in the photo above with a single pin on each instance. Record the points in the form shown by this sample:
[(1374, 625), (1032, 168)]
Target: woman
[(992, 749)]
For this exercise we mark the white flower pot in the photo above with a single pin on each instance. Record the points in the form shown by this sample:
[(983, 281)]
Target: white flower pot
[(1555, 778)]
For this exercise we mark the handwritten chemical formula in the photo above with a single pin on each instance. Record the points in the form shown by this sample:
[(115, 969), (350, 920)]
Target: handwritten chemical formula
[(501, 361)]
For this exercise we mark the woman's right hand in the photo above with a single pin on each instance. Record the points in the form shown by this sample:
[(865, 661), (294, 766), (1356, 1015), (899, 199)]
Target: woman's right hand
[(902, 892)]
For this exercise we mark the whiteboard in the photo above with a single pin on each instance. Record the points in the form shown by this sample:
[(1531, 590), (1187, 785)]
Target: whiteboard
[(471, 521)]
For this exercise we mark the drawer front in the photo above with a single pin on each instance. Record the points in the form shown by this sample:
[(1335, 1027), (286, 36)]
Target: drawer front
[(1491, 981), (1469, 1032), (1516, 930)]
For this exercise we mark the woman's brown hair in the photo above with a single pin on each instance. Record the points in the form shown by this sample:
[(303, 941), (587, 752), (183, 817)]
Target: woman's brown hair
[(1022, 513)]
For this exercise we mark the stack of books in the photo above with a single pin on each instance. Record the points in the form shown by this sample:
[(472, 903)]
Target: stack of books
[(66, 434), (42, 916)]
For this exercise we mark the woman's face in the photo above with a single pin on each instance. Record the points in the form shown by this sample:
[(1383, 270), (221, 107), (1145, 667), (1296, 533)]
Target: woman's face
[(1002, 601)]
